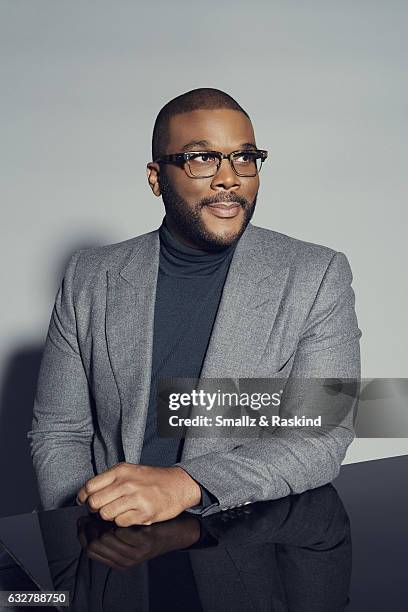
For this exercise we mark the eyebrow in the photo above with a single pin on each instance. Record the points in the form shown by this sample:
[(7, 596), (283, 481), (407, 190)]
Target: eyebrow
[(207, 143)]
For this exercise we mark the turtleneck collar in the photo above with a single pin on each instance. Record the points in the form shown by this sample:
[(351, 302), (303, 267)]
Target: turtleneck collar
[(182, 260)]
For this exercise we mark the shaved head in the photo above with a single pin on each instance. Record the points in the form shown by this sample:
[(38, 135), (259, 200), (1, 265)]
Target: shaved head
[(204, 98)]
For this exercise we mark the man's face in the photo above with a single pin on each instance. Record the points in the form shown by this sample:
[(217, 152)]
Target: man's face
[(208, 213)]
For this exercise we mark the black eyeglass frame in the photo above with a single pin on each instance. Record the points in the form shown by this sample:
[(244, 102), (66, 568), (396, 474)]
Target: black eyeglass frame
[(175, 158)]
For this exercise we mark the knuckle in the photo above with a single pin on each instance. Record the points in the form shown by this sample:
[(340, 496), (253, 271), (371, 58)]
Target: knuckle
[(92, 554), (128, 487), (122, 467), (105, 514), (93, 502), (122, 473), (122, 521), (146, 508), (88, 488), (147, 515)]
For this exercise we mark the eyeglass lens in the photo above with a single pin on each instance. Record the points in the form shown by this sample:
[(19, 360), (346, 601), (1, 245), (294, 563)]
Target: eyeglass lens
[(246, 163)]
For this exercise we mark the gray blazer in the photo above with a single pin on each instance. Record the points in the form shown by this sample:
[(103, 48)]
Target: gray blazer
[(287, 309)]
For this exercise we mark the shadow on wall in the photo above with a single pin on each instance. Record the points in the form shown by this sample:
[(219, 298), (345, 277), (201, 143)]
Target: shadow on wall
[(18, 486), (17, 478)]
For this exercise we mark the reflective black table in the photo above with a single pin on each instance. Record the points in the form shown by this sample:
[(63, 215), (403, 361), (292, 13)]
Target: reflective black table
[(340, 547)]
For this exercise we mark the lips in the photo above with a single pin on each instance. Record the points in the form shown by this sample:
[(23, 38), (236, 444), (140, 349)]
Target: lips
[(224, 209)]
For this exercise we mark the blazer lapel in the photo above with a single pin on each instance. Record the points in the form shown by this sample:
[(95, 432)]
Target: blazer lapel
[(248, 308), (129, 329)]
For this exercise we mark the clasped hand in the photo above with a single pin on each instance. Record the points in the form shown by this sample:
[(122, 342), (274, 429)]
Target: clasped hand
[(124, 547), (131, 494)]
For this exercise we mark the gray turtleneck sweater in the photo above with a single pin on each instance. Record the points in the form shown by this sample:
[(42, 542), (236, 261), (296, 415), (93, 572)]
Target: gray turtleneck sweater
[(189, 288)]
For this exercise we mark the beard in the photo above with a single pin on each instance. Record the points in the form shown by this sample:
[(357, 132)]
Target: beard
[(188, 219)]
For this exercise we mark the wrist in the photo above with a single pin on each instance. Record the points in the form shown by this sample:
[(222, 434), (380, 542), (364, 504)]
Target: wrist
[(191, 489)]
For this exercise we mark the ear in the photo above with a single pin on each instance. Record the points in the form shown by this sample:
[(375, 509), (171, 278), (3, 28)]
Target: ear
[(152, 173)]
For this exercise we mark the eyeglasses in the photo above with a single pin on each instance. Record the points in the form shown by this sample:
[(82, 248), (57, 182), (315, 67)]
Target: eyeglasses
[(205, 164)]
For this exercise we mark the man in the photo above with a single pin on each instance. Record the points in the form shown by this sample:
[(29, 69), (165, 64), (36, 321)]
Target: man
[(207, 295)]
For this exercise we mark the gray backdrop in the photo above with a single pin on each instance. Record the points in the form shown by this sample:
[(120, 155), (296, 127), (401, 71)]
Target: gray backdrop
[(81, 85)]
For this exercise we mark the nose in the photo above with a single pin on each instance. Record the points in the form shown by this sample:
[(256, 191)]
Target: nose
[(225, 177)]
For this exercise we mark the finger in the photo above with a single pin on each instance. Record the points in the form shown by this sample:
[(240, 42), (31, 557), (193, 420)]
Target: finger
[(121, 552), (143, 545), (103, 560), (89, 529), (82, 538), (96, 484), (81, 497), (133, 517), (107, 495), (103, 545), (106, 552), (134, 537), (125, 503)]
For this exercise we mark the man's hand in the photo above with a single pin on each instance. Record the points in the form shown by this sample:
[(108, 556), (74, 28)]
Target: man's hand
[(130, 494), (122, 548)]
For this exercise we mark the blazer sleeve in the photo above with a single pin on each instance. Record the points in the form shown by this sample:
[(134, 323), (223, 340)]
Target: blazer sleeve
[(293, 460), (62, 425)]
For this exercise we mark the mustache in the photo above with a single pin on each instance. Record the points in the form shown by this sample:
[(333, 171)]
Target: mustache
[(224, 198)]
